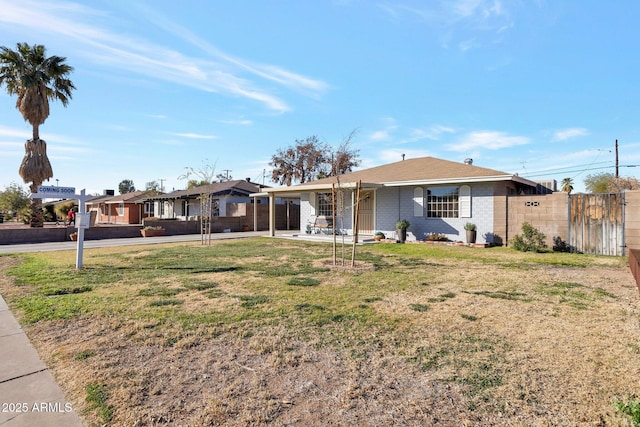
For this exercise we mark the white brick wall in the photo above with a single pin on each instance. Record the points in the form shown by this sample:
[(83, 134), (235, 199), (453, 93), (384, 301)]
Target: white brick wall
[(394, 203)]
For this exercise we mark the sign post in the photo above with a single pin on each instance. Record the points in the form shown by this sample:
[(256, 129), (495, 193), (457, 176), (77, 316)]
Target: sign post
[(81, 225), (82, 219)]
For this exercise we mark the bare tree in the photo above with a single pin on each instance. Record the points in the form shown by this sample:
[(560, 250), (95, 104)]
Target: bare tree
[(344, 159), (205, 174), (311, 159)]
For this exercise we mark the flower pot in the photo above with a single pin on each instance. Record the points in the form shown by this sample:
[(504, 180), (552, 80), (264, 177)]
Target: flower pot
[(245, 228), (73, 237), (402, 234), (471, 236)]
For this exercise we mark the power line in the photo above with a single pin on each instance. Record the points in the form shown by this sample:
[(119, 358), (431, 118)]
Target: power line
[(568, 169)]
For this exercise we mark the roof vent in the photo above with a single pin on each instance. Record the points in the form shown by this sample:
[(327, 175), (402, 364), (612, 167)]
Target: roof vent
[(468, 161)]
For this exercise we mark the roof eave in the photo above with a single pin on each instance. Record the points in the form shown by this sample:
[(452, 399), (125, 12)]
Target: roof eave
[(305, 188), (462, 180)]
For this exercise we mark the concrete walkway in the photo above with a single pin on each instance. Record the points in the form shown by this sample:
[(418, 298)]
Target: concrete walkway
[(29, 395)]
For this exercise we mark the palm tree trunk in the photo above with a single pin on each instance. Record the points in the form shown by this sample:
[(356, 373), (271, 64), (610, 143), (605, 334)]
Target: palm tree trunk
[(37, 215)]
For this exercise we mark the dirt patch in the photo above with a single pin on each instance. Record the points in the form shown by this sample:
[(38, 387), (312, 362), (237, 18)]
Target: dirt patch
[(463, 343), (347, 267)]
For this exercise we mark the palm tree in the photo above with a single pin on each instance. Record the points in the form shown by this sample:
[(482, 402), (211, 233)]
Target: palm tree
[(35, 78), (567, 185)]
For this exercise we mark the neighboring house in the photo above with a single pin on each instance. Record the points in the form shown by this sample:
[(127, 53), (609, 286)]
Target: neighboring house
[(186, 204), (434, 195), (128, 208)]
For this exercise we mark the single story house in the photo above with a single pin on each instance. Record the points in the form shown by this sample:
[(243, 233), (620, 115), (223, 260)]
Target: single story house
[(127, 208), (434, 195), (186, 204)]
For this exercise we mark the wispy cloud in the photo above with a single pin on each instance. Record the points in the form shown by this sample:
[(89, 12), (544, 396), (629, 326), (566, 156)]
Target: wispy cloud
[(380, 135), (191, 135), (389, 125), (489, 140), (215, 71), (241, 122), (461, 22), (433, 133), (564, 134), (7, 132)]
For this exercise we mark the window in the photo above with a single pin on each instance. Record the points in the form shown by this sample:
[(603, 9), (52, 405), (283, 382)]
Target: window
[(323, 207), (215, 207), (121, 209), (442, 202), (149, 208)]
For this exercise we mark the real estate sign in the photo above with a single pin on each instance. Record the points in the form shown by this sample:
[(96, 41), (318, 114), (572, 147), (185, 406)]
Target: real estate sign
[(53, 192)]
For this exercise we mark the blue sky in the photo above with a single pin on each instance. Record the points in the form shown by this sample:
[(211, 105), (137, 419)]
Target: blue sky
[(541, 88)]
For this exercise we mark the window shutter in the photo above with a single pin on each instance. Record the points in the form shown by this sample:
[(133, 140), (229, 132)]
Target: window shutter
[(418, 201), (464, 201), (312, 202)]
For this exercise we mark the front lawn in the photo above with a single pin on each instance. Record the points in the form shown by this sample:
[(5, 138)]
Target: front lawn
[(264, 331)]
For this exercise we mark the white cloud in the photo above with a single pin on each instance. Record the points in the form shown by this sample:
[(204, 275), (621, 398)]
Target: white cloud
[(490, 140), (81, 29), (7, 132), (433, 133), (379, 135), (192, 135), (237, 122), (459, 22), (564, 134)]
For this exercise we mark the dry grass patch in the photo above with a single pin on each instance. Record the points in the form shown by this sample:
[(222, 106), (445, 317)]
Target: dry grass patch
[(267, 334)]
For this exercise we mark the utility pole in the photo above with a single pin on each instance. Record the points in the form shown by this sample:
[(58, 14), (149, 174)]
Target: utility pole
[(617, 175), (162, 180), (226, 171)]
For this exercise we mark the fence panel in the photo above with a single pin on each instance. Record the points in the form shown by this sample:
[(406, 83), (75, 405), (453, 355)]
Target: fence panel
[(596, 223)]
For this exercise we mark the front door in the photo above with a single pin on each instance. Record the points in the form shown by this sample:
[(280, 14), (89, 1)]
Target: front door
[(366, 218)]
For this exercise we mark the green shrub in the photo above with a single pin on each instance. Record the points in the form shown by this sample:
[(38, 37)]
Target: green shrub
[(531, 240)]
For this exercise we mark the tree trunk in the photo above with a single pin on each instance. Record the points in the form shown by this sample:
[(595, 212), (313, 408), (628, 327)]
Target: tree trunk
[(37, 216)]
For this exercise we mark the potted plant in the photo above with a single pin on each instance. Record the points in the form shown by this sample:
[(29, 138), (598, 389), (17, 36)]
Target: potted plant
[(471, 232), (151, 231), (378, 236), (401, 229)]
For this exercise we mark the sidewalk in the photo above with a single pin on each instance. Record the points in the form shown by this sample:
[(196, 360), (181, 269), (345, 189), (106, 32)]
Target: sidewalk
[(29, 395)]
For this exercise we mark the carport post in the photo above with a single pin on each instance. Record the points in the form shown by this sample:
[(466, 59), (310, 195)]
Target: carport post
[(272, 214)]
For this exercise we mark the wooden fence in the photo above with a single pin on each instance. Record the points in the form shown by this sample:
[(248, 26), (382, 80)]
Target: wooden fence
[(596, 223)]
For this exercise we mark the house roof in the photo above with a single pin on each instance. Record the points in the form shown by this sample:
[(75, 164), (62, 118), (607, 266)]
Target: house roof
[(418, 171), (133, 197), (234, 188)]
